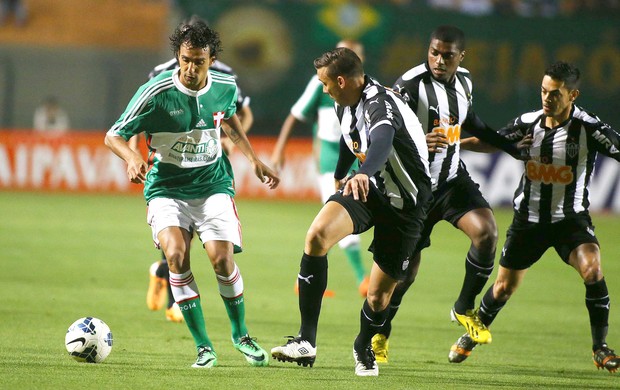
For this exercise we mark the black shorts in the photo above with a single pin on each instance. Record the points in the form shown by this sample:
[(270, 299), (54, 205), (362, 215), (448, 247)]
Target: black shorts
[(526, 242), (396, 232), (450, 202)]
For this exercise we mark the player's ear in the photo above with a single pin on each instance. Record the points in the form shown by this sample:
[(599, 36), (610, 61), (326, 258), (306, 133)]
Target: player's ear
[(462, 56), (574, 94), (341, 81)]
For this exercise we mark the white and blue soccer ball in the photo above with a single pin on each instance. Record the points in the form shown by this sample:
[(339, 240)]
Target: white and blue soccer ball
[(89, 340)]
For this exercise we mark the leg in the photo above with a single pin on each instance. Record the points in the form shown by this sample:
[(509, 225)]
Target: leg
[(479, 225), (372, 316), (508, 280), (175, 243), (380, 341), (230, 285), (158, 285), (586, 259), (330, 226)]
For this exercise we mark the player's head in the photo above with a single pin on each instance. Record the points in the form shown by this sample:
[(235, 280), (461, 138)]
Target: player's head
[(354, 45), (446, 50), (559, 89), (195, 47), (342, 74), (195, 33)]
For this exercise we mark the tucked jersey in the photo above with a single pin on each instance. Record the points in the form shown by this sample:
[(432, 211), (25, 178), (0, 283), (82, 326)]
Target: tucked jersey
[(440, 107), (182, 129), (218, 66), (405, 173), (555, 183), (314, 105)]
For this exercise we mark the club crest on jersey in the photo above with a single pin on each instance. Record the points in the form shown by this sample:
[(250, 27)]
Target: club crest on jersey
[(217, 118), (572, 150)]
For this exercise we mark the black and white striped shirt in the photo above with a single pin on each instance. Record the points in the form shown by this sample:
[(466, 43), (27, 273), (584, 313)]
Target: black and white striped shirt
[(405, 173), (555, 183), (441, 107)]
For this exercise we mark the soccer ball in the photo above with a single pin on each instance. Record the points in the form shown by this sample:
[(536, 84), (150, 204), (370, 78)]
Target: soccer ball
[(89, 340)]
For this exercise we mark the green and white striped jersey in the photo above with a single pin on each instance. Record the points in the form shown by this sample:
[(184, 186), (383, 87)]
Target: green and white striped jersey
[(182, 129)]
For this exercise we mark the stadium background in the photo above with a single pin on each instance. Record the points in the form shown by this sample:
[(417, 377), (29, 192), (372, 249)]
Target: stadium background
[(93, 55), (65, 255)]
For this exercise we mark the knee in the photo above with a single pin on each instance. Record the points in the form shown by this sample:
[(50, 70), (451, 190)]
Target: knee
[(378, 301), (175, 259), (486, 238), (316, 241), (591, 272), (222, 264)]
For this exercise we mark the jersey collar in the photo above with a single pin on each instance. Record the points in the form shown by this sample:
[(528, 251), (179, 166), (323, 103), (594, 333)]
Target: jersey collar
[(187, 91)]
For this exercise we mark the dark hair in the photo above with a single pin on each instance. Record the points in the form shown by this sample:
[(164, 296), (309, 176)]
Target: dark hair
[(196, 34), (452, 34), (563, 71), (340, 62)]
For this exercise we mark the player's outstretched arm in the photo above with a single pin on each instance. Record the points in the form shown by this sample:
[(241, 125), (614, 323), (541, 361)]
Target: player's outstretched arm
[(235, 132), (277, 156)]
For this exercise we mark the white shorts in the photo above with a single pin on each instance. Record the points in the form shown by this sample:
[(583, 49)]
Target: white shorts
[(214, 218)]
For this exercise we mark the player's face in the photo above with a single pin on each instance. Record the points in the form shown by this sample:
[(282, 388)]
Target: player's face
[(557, 99), (194, 66), (443, 59), (330, 85)]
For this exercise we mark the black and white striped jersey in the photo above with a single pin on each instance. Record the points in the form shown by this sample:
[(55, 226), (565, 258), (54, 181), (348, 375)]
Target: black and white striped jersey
[(405, 174), (441, 107), (555, 183), (242, 100)]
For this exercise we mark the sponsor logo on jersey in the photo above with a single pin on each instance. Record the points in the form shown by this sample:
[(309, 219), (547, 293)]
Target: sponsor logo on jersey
[(549, 173), (600, 137), (201, 123), (176, 112)]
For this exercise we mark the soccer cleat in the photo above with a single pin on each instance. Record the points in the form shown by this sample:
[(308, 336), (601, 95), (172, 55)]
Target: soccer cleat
[(253, 353), (380, 345), (461, 349), (476, 329), (606, 359), (173, 313), (156, 294), (365, 363), (326, 293), (363, 287), (206, 358), (295, 350)]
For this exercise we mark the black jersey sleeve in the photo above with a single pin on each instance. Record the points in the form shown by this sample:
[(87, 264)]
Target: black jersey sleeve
[(345, 161), (604, 139), (381, 139), (476, 127)]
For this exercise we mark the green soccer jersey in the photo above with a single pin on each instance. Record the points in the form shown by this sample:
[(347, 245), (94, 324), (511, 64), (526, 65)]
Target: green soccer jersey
[(182, 129)]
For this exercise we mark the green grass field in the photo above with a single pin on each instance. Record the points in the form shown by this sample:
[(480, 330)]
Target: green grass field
[(69, 256)]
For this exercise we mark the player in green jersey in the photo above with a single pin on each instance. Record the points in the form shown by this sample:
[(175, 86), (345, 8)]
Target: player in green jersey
[(189, 185), (314, 105)]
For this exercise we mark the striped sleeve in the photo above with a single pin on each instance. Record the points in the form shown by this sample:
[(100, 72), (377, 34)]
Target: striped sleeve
[(135, 119)]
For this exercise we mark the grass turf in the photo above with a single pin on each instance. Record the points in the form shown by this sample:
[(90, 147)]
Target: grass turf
[(67, 256)]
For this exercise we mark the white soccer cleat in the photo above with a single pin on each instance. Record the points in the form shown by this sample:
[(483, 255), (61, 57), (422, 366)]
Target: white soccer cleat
[(295, 350), (365, 365)]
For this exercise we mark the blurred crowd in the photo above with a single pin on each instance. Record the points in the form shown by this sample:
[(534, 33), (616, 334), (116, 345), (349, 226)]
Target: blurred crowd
[(527, 8)]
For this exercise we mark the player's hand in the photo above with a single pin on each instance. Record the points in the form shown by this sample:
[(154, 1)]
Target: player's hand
[(524, 147), (436, 141), (266, 175), (358, 186), (136, 170)]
